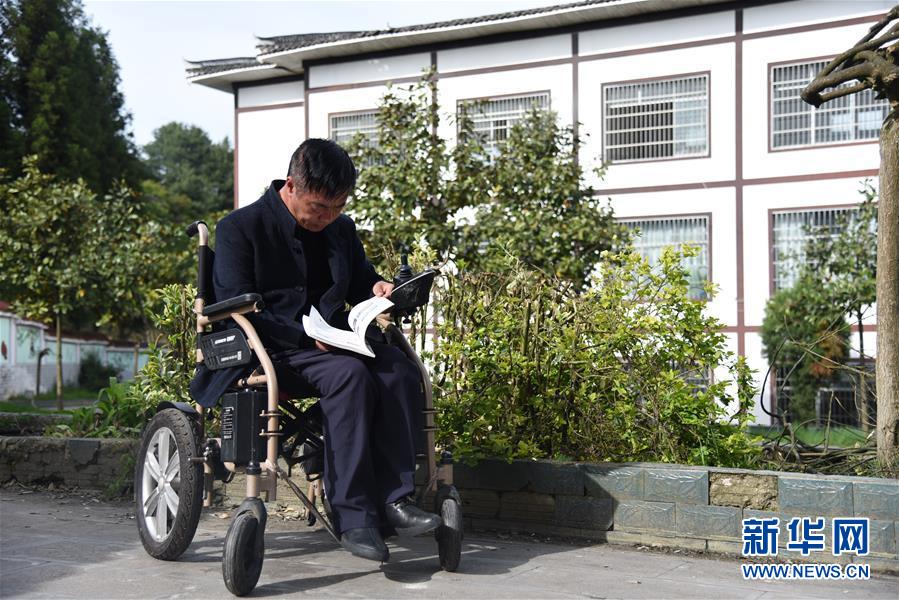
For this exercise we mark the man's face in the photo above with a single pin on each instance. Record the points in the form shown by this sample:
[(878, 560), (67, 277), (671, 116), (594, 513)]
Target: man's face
[(312, 211)]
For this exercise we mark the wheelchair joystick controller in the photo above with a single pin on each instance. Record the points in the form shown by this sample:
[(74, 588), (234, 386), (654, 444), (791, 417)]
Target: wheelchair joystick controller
[(402, 276), (405, 272)]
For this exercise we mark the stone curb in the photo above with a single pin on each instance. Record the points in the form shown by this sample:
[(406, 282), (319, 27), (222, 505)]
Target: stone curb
[(697, 508)]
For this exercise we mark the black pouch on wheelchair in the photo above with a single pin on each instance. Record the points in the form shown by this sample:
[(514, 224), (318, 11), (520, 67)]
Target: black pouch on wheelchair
[(224, 349), (241, 424)]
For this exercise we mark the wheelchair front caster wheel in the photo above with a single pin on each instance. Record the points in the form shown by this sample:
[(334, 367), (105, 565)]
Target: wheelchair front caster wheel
[(244, 552), (168, 484), (449, 534)]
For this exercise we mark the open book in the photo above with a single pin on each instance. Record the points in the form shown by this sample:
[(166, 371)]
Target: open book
[(360, 317), (408, 295)]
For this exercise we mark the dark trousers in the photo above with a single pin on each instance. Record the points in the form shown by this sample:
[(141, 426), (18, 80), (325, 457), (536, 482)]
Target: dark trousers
[(370, 407)]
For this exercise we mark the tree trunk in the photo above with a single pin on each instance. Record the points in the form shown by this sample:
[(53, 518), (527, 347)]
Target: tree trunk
[(863, 416), (59, 405), (888, 294)]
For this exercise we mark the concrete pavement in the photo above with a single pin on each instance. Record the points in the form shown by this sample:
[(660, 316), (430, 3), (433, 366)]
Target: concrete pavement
[(72, 546)]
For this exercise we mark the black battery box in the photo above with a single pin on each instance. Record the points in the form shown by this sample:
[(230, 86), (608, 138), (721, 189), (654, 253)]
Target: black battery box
[(241, 424), (223, 349)]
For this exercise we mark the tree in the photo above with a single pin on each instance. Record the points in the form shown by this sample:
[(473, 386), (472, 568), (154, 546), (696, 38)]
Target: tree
[(805, 337), (537, 206), (62, 102), (872, 64), (63, 247), (475, 206), (404, 191), (189, 165), (844, 268)]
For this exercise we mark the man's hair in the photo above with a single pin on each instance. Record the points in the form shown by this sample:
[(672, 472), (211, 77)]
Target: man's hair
[(322, 167)]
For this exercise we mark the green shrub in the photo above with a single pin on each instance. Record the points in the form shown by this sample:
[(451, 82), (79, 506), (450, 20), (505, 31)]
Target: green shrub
[(93, 374), (526, 367), (116, 414), (171, 359)]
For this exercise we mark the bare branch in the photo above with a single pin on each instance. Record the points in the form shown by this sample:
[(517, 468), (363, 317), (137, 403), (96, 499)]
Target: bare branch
[(840, 92), (812, 92)]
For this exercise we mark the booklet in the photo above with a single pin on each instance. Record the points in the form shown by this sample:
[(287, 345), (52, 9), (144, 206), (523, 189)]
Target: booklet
[(360, 317)]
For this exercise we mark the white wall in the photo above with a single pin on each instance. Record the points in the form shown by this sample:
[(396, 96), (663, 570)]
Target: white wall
[(556, 79), (266, 140), (275, 93), (718, 59), (323, 104), (757, 55), (504, 53), (372, 69), (805, 12), (656, 33)]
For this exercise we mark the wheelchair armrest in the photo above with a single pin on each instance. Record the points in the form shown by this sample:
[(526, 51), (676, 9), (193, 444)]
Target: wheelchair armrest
[(232, 304)]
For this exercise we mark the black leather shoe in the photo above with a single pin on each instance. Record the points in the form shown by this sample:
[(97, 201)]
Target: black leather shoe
[(409, 519), (365, 542)]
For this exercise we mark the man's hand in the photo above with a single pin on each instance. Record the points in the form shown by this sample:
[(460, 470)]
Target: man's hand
[(382, 288), (323, 346)]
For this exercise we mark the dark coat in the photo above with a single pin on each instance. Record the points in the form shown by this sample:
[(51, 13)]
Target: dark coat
[(257, 252)]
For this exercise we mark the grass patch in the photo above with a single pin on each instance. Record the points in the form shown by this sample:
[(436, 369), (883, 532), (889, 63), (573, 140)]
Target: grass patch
[(68, 393), (18, 407), (839, 436)]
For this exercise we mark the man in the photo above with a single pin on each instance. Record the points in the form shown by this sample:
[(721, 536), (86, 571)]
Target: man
[(295, 248)]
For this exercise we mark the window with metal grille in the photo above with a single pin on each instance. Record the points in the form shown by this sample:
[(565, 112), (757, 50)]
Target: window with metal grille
[(792, 230), (795, 123), (656, 119), (652, 236), (492, 119), (345, 127)]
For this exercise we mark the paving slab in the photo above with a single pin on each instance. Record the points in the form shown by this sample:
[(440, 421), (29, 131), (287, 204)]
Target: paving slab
[(64, 546)]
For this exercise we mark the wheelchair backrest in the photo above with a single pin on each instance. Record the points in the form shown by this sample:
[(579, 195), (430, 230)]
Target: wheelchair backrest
[(205, 262)]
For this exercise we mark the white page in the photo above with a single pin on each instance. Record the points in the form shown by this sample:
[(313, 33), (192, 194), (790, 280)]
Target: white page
[(365, 312), (317, 328)]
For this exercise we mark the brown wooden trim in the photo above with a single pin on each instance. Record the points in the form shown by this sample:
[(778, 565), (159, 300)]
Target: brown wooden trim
[(674, 187), (813, 27), (812, 177), (236, 161), (573, 59), (296, 104), (738, 179), (364, 84), (700, 185), (434, 100), (305, 105), (602, 116), (822, 146), (738, 329), (285, 79), (575, 117), (510, 67), (726, 39), (653, 17)]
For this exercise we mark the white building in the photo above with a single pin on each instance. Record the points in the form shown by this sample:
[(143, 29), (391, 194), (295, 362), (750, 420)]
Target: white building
[(694, 102)]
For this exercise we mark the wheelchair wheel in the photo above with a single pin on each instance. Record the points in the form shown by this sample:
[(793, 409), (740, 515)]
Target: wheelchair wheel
[(168, 484), (449, 534), (244, 552)]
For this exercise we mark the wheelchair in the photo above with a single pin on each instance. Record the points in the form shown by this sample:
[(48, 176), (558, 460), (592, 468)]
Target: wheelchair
[(179, 460)]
